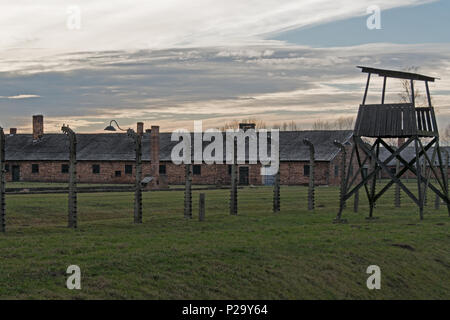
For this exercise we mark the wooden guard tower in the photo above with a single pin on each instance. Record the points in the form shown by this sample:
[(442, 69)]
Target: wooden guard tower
[(417, 126)]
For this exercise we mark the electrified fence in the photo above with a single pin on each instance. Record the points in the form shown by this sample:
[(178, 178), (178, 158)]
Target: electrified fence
[(416, 125), (2, 182)]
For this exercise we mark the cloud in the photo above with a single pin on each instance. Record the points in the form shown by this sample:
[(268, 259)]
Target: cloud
[(100, 25), (173, 87), (21, 96)]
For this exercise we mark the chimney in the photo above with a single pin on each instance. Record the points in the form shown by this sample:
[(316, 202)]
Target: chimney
[(154, 137), (246, 126), (12, 130), (38, 127), (140, 128)]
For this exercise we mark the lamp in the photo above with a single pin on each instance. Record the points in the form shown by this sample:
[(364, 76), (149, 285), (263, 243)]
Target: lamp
[(111, 127)]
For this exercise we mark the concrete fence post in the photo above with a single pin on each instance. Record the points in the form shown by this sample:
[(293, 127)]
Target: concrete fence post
[(343, 183), (311, 191), (2, 182), (437, 202), (137, 139), (276, 192), (201, 207), (72, 214), (188, 192), (234, 183)]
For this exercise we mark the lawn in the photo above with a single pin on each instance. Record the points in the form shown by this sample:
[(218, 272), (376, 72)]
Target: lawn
[(294, 254)]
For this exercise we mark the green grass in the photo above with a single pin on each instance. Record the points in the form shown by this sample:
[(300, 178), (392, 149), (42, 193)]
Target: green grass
[(295, 254)]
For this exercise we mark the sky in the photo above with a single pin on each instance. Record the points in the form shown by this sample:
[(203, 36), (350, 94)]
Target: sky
[(171, 62)]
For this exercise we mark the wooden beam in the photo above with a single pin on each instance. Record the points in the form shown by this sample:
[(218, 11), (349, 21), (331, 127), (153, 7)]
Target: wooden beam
[(367, 89), (397, 74), (428, 94), (384, 90)]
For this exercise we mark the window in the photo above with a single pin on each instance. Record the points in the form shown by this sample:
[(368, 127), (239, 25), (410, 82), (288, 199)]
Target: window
[(118, 173), (350, 169), (336, 171), (197, 170), (34, 168), (162, 169), (96, 168), (7, 167), (128, 169), (306, 170), (230, 167), (64, 168), (393, 170)]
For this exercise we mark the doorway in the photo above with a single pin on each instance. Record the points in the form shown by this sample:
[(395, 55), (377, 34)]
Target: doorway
[(15, 173), (243, 176)]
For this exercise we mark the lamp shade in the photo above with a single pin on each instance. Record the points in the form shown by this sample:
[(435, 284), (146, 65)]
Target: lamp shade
[(110, 128)]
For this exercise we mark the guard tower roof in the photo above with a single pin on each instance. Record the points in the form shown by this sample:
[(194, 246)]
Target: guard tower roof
[(397, 74)]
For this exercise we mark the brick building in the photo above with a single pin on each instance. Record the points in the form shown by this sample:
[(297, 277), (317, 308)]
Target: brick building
[(109, 158), (408, 154)]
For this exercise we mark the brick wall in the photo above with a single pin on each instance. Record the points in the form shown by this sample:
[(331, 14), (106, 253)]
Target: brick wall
[(291, 173)]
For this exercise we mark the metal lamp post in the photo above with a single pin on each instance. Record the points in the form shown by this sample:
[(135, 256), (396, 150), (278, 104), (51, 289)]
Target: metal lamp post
[(137, 138)]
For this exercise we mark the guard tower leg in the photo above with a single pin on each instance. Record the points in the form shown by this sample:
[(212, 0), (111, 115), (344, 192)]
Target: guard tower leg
[(374, 168), (419, 178)]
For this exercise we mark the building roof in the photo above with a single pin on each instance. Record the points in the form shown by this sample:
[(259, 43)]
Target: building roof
[(119, 147), (397, 74)]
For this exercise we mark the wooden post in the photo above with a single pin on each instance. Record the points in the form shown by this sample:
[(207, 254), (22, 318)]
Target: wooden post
[(384, 90), (188, 192), (2, 182), (356, 201), (373, 168), (343, 184), (234, 183), (311, 199), (201, 207), (367, 89), (72, 214), (137, 138), (397, 195), (419, 175)]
